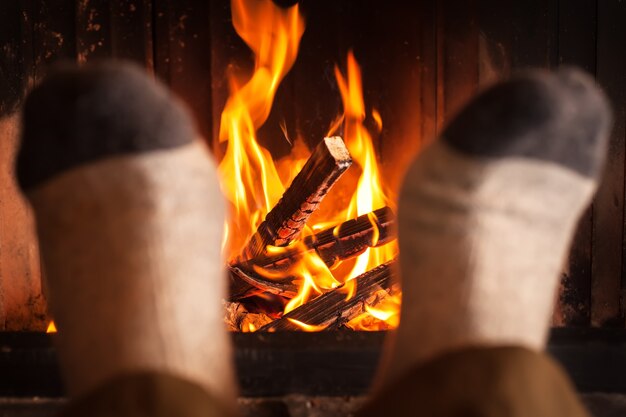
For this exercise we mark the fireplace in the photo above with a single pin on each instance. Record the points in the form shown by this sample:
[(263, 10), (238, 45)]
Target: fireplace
[(420, 62)]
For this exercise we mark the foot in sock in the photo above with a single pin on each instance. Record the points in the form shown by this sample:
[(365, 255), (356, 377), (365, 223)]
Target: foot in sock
[(486, 215), (130, 218)]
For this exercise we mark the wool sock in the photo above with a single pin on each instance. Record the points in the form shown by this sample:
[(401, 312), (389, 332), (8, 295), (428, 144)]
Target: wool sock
[(487, 212), (130, 218)]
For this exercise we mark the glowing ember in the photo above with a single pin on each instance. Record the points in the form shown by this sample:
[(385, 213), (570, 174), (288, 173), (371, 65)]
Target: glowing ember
[(52, 328), (253, 184), (386, 314)]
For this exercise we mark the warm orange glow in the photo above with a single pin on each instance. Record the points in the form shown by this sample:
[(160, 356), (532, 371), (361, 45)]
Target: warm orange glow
[(307, 327), (386, 315), (52, 328), (378, 119), (316, 279), (370, 194), (252, 181), (372, 218)]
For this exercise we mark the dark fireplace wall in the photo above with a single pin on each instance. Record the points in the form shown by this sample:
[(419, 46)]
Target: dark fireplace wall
[(420, 62)]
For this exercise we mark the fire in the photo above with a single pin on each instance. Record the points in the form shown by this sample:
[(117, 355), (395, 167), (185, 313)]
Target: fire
[(251, 180), (386, 315), (307, 327), (316, 278), (370, 194), (52, 328)]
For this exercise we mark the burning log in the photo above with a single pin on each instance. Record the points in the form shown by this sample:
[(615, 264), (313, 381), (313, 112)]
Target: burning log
[(331, 310), (245, 283), (347, 240), (329, 160)]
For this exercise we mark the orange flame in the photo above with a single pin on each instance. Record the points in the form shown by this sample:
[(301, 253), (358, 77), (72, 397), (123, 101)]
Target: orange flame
[(316, 279), (307, 327), (370, 194), (52, 328), (386, 315), (250, 179)]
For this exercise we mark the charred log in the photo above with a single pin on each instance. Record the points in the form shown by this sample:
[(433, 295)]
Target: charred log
[(329, 160), (331, 310), (347, 240), (246, 283)]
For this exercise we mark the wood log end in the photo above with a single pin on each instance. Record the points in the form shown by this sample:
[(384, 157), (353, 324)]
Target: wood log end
[(339, 152)]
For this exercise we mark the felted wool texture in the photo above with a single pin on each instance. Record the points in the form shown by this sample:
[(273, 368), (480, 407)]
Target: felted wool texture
[(561, 116), (482, 242), (485, 382), (487, 213), (132, 253), (81, 114)]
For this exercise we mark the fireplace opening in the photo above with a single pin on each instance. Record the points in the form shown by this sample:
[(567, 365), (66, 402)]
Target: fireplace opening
[(282, 253), (344, 94)]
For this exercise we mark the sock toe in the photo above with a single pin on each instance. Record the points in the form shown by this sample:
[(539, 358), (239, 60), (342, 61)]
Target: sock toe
[(80, 115), (560, 117), (486, 214)]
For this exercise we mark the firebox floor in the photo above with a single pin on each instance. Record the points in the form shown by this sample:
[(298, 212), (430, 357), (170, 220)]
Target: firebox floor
[(600, 405)]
